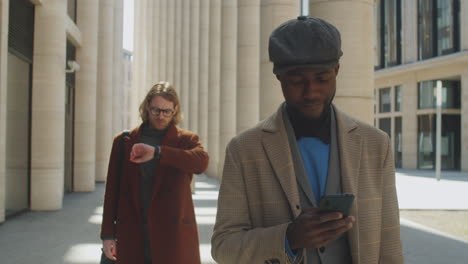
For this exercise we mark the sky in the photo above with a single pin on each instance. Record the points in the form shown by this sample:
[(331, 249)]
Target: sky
[(128, 25)]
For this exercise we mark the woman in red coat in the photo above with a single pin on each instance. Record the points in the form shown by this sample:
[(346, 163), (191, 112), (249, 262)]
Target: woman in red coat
[(155, 220)]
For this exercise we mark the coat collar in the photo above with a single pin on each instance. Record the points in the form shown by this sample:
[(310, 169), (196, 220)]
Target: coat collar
[(276, 145), (170, 138)]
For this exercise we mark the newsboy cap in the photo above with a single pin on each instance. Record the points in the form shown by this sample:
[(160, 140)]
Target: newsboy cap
[(304, 42)]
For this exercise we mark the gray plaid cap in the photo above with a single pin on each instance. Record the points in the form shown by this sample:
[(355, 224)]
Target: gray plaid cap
[(304, 42)]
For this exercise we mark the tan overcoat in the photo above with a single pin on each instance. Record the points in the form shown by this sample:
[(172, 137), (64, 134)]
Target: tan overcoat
[(259, 194)]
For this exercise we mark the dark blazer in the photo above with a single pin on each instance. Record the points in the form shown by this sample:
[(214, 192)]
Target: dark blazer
[(171, 216)]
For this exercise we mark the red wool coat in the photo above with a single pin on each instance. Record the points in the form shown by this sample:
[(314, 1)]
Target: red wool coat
[(171, 216)]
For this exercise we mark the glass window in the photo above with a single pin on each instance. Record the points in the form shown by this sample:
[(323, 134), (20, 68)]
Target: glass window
[(385, 124), (398, 143), (375, 102), (71, 6), (391, 33), (384, 100), (425, 27), (397, 98), (377, 35), (450, 94), (438, 27), (426, 128), (388, 33), (450, 142), (446, 42)]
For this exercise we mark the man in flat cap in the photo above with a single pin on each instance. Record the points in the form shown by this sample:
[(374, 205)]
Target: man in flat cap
[(276, 173)]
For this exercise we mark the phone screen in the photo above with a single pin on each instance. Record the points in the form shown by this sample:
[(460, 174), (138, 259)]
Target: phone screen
[(341, 202)]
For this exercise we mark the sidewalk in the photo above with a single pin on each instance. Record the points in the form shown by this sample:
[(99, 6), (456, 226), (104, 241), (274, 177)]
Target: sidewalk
[(419, 189), (71, 235)]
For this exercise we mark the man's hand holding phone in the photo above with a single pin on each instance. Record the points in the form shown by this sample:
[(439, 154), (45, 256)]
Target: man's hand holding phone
[(317, 227)]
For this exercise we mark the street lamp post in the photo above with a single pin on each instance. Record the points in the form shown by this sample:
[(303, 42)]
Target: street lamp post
[(438, 128)]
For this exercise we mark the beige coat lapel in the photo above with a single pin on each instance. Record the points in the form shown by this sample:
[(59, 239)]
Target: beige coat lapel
[(349, 144), (275, 143)]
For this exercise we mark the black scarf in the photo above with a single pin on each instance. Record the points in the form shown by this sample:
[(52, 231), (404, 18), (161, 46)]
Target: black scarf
[(311, 127)]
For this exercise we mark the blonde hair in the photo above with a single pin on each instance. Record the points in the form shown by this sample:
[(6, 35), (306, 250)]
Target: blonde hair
[(166, 91)]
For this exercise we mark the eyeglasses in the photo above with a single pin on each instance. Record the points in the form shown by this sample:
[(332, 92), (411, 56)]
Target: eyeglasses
[(165, 112)]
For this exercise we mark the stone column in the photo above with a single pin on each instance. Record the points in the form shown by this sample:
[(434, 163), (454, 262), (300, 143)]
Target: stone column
[(355, 81), (148, 61), (85, 97), (155, 46), (273, 13), (203, 72), (162, 20), (170, 40), (4, 14), (409, 131), (248, 63), (178, 45), (228, 76), (138, 58), (464, 120), (214, 87), (48, 106), (194, 64), (185, 74), (104, 134), (409, 31), (117, 79)]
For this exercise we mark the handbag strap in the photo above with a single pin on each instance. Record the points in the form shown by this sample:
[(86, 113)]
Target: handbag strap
[(119, 171)]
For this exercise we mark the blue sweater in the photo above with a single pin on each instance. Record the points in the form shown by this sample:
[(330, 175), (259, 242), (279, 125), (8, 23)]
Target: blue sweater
[(315, 156)]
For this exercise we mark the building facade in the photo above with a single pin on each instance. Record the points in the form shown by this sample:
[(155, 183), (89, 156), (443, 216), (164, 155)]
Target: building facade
[(61, 89), (215, 52), (417, 43)]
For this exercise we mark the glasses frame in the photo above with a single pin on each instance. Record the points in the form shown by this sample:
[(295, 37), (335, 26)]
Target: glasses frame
[(156, 111)]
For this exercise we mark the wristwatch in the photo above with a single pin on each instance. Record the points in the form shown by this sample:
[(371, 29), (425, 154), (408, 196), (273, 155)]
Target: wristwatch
[(157, 152)]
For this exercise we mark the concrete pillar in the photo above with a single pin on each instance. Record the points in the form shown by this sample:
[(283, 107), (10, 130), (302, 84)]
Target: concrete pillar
[(4, 12), (204, 71), (48, 106), (273, 13), (147, 59), (356, 77), (409, 124), (155, 46), (163, 50), (178, 46), (409, 31), (117, 79), (85, 97), (464, 24), (194, 64), (185, 74), (248, 63), (228, 76), (104, 134), (138, 68), (170, 40), (464, 120), (214, 87)]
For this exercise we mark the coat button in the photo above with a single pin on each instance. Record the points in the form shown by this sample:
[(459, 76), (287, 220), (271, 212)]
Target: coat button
[(322, 249)]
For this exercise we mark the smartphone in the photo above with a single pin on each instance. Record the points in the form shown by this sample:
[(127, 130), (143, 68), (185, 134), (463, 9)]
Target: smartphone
[(340, 202)]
